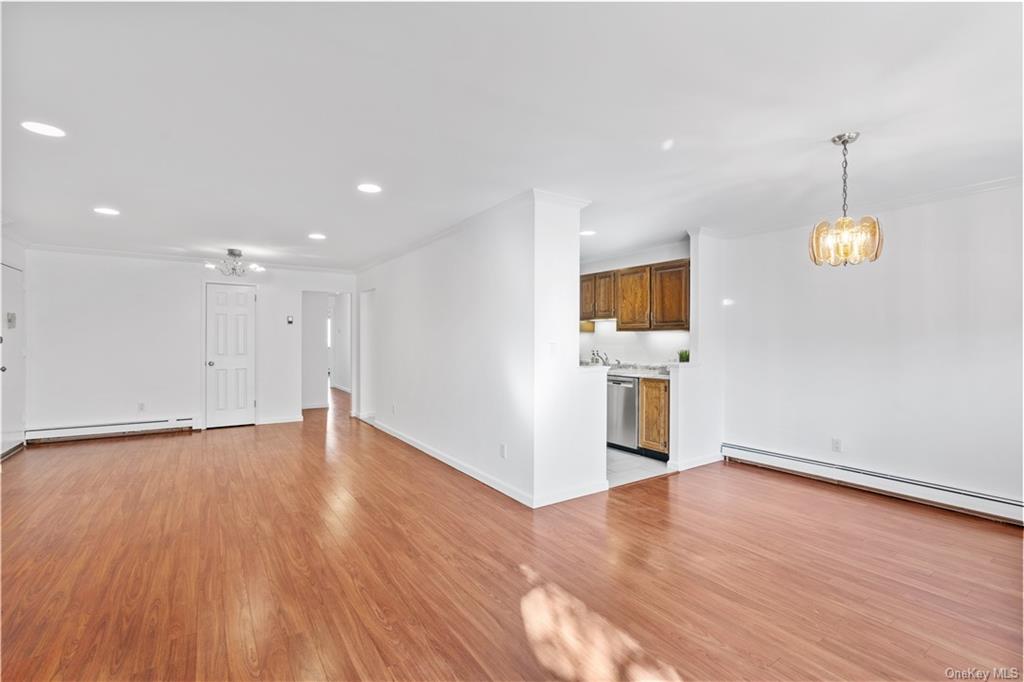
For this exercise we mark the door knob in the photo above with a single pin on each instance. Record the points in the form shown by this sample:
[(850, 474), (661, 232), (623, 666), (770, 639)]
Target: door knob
[(3, 369), (210, 363)]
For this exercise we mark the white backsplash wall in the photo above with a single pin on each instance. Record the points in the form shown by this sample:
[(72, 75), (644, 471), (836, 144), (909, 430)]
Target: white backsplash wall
[(635, 347)]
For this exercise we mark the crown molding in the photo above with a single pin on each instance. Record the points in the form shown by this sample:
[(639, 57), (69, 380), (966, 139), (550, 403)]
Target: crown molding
[(910, 201), (199, 260), (563, 199)]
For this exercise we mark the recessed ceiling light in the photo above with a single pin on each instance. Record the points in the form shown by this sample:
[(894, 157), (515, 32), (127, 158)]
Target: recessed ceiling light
[(587, 233), (209, 266), (106, 210), (727, 301), (42, 129), (369, 188), (317, 235), (668, 144)]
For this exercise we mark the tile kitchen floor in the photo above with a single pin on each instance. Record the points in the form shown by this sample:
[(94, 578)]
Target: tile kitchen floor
[(625, 467)]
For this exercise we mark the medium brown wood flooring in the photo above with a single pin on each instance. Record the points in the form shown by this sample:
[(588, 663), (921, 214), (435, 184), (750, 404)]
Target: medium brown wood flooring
[(329, 550)]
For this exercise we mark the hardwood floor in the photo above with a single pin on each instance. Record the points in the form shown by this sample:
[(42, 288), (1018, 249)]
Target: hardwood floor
[(329, 550)]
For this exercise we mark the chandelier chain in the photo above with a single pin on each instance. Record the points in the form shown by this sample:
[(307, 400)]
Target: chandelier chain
[(844, 179)]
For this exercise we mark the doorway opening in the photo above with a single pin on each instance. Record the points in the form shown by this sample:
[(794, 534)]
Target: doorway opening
[(326, 346)]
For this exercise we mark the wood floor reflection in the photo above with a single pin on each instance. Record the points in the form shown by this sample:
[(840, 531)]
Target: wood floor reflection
[(329, 550)]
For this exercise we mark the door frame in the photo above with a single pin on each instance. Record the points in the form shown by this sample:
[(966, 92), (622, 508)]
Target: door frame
[(201, 422), (4, 454), (356, 352)]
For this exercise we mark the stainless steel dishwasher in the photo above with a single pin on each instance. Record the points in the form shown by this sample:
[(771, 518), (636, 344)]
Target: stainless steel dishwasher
[(622, 412)]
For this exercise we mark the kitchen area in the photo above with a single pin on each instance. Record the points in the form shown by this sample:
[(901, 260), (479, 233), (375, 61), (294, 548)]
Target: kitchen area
[(634, 319)]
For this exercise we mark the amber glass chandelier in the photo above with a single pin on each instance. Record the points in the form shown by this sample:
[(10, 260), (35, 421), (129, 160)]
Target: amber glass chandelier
[(848, 242)]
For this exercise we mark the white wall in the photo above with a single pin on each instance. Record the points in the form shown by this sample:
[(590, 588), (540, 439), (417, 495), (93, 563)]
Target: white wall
[(913, 361), (474, 345), (341, 342), (570, 453), (116, 331), (452, 327), (314, 349), (697, 387), (654, 348)]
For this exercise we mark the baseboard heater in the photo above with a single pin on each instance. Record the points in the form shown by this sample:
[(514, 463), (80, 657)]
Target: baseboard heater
[(59, 433), (971, 501)]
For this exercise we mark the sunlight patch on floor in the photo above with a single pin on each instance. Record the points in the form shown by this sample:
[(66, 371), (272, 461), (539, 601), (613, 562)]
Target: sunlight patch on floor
[(574, 643)]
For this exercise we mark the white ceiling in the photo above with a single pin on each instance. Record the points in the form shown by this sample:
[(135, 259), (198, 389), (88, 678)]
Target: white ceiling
[(249, 125)]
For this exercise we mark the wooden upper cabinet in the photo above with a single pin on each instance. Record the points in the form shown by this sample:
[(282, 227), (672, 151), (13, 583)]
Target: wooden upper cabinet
[(587, 297), (670, 295), (654, 415), (633, 298), (604, 295)]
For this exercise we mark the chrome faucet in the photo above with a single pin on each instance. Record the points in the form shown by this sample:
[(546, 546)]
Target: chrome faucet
[(597, 356)]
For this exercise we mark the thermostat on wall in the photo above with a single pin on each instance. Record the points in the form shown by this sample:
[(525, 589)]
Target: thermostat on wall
[(291, 319)]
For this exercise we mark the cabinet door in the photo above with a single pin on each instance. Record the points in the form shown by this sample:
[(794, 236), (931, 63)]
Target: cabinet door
[(670, 295), (604, 295), (587, 297), (654, 415), (633, 298)]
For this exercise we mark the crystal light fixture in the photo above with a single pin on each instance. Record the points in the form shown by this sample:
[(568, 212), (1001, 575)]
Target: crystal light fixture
[(847, 242), (232, 266)]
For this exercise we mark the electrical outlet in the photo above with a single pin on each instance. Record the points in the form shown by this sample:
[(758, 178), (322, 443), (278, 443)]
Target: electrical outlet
[(837, 445), (503, 450), (142, 407)]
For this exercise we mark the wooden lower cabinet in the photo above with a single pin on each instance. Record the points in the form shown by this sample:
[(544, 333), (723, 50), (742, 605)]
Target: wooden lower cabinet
[(654, 415)]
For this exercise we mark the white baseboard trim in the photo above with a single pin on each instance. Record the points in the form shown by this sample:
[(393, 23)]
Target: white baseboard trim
[(469, 470), (342, 388), (279, 420), (543, 500), (927, 492), (694, 462), (315, 406), (369, 418), (108, 429)]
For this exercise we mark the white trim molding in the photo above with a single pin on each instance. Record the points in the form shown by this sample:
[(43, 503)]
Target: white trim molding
[(928, 492), (471, 471)]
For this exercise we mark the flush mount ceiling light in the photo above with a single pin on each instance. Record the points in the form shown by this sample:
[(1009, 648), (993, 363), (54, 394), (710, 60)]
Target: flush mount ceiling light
[(848, 242), (232, 266), (368, 188), (587, 233), (668, 144), (317, 235), (106, 210), (42, 129)]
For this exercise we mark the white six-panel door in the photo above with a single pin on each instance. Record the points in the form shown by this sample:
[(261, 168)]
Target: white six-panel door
[(230, 355)]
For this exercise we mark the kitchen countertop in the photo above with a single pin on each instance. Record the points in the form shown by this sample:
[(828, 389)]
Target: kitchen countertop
[(641, 372)]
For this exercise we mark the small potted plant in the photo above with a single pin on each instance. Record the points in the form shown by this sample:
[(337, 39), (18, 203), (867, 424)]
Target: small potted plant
[(684, 356)]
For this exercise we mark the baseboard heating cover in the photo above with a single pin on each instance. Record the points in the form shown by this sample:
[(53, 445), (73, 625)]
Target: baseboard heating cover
[(924, 491), (111, 429)]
